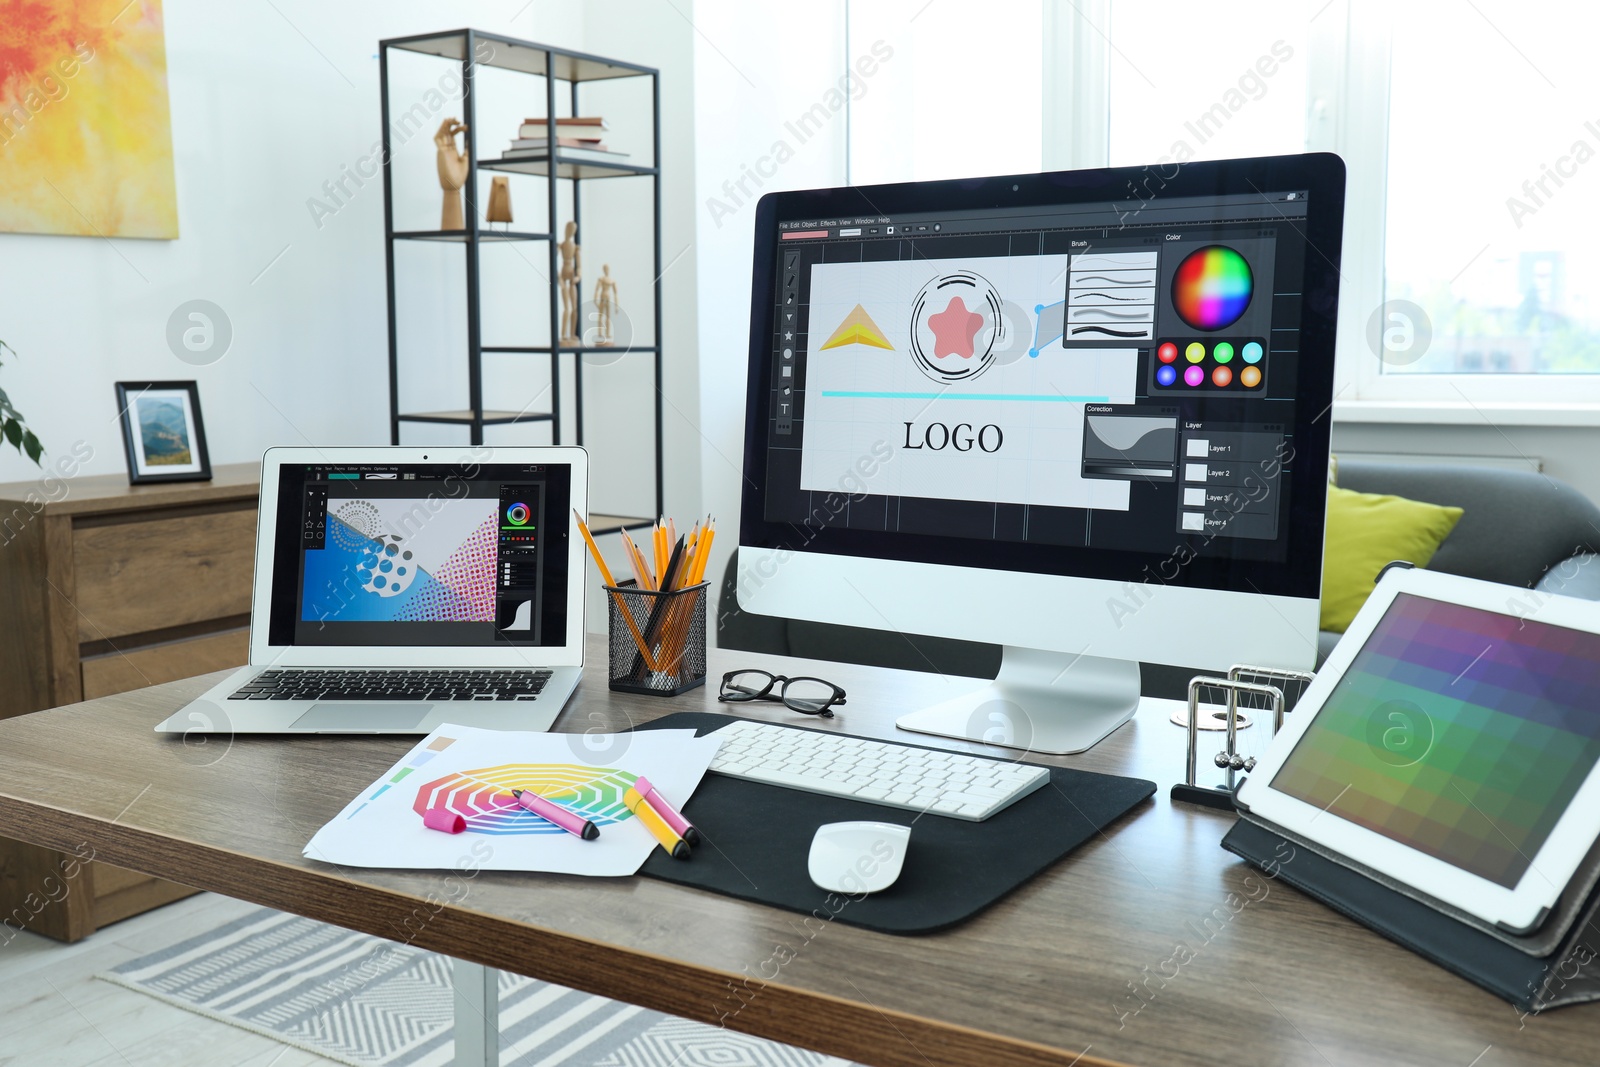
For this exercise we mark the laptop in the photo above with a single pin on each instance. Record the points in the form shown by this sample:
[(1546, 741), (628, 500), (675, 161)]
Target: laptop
[(399, 589)]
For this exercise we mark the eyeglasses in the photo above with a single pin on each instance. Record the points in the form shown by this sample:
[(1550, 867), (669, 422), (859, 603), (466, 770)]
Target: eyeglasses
[(809, 696)]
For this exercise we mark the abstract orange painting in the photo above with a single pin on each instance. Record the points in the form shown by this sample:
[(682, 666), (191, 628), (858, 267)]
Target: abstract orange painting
[(85, 131)]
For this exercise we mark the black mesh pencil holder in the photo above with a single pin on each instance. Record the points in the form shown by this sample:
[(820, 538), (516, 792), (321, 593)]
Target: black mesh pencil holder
[(658, 639)]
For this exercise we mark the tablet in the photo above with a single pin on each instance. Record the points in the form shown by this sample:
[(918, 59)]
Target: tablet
[(1451, 742)]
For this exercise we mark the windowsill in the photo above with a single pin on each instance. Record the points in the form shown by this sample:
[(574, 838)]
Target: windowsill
[(1462, 413)]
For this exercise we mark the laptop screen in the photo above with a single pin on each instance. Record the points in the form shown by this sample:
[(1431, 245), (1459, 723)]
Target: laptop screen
[(421, 554)]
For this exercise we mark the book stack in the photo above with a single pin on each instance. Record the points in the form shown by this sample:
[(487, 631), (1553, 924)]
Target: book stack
[(575, 139)]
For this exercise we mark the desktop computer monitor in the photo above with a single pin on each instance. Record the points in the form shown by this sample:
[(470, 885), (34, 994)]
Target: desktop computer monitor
[(1083, 415)]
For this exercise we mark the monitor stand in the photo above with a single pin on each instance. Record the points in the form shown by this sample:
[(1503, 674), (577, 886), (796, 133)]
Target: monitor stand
[(1052, 703)]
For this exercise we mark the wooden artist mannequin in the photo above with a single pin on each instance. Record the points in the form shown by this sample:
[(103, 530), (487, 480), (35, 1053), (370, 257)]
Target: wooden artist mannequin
[(605, 302)]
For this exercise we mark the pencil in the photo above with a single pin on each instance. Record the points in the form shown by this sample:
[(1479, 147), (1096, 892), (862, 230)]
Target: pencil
[(605, 574), (705, 555), (641, 573), (594, 549), (673, 650), (657, 629)]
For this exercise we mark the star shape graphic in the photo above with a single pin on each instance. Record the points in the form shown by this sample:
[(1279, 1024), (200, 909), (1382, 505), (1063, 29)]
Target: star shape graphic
[(954, 329)]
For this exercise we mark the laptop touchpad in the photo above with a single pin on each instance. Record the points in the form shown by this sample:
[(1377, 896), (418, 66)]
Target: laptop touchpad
[(362, 716)]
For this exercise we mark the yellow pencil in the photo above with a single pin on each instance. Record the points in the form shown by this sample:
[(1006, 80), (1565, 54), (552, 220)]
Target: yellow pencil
[(594, 549), (705, 555), (605, 574)]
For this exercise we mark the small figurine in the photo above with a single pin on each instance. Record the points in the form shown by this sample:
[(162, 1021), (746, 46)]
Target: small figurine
[(499, 200), (452, 174), (571, 275), (605, 301)]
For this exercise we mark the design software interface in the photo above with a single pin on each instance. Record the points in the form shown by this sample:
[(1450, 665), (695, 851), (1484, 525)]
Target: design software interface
[(1078, 375), (422, 554)]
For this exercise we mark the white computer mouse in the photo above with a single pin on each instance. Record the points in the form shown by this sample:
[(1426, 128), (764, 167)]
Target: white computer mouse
[(857, 857)]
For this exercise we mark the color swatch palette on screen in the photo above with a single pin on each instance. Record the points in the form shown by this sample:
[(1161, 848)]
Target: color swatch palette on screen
[(1460, 732), (1212, 288), (1207, 365)]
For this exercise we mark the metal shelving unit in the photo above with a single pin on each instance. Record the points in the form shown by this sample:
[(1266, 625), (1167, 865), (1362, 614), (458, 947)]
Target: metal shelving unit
[(553, 65)]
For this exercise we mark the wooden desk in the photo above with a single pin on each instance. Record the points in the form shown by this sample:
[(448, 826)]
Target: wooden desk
[(1045, 977), (106, 587)]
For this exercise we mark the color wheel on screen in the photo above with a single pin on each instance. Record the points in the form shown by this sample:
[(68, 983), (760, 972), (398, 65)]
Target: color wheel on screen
[(1212, 288)]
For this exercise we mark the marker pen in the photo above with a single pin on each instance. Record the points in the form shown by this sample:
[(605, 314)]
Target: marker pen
[(676, 846), (673, 818), (569, 821)]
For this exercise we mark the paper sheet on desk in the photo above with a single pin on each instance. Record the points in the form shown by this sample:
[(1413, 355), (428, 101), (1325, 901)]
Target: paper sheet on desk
[(473, 772)]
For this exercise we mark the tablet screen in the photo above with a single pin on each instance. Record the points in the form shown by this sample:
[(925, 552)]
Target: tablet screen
[(1460, 732)]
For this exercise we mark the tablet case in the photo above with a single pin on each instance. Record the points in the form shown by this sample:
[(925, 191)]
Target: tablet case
[(758, 838), (1565, 973)]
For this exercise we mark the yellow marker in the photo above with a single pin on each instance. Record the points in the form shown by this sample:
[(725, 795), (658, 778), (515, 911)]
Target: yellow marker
[(676, 846)]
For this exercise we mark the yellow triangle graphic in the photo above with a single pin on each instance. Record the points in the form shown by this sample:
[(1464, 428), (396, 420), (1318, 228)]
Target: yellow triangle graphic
[(858, 329)]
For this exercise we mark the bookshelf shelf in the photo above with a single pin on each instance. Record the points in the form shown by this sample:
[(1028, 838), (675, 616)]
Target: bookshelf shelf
[(462, 236), (567, 168), (560, 70)]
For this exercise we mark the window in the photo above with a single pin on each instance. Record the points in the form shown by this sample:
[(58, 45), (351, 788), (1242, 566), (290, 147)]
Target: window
[(1190, 81), (1493, 190), (1468, 131)]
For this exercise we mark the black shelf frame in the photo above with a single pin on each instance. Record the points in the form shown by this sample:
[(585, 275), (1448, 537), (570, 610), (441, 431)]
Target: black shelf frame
[(554, 65)]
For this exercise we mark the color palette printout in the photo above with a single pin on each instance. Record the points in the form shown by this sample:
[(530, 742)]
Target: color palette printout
[(1460, 732), (472, 772)]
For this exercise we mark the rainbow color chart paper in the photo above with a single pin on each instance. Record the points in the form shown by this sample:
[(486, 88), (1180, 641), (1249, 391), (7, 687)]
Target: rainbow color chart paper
[(1460, 732), (483, 795), (472, 772), (1212, 288)]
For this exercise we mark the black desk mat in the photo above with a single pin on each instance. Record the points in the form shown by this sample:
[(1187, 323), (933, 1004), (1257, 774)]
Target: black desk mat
[(759, 836)]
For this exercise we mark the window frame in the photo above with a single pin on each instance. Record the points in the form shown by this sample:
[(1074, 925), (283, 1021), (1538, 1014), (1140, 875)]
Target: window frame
[(1348, 96)]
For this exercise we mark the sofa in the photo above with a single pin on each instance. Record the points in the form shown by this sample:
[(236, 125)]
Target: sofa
[(1517, 527)]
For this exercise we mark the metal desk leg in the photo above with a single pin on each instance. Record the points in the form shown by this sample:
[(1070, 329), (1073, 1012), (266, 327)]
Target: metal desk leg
[(477, 1014)]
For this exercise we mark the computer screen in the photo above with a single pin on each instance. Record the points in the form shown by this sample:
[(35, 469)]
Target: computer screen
[(1083, 415), (426, 554), (1117, 378)]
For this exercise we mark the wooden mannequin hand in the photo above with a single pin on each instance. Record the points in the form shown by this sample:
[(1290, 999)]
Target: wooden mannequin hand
[(452, 161)]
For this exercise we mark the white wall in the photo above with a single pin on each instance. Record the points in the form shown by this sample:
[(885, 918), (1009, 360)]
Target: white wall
[(266, 108), (1567, 453), (753, 73), (657, 33)]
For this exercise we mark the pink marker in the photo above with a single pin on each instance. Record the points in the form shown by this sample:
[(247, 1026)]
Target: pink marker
[(680, 826), (569, 821), (443, 820)]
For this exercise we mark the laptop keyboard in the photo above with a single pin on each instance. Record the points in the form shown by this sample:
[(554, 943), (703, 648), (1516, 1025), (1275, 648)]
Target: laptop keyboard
[(295, 684)]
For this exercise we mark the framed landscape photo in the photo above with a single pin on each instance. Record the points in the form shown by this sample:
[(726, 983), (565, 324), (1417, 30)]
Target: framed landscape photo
[(163, 432)]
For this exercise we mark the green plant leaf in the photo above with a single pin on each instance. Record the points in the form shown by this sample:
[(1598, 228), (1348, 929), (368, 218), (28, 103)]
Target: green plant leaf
[(13, 432), (31, 445)]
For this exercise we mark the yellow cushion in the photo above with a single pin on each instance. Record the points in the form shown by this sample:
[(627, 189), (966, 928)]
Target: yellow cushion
[(1366, 531)]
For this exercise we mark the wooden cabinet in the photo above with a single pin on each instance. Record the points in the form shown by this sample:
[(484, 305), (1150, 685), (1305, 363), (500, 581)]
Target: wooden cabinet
[(106, 587)]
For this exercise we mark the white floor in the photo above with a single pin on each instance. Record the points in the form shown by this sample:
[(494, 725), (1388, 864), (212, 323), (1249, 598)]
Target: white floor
[(54, 1014)]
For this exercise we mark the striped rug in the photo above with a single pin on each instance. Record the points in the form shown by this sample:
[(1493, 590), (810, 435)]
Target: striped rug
[(365, 1001)]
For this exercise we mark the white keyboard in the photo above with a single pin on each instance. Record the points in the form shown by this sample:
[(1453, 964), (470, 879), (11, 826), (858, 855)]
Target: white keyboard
[(898, 776)]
